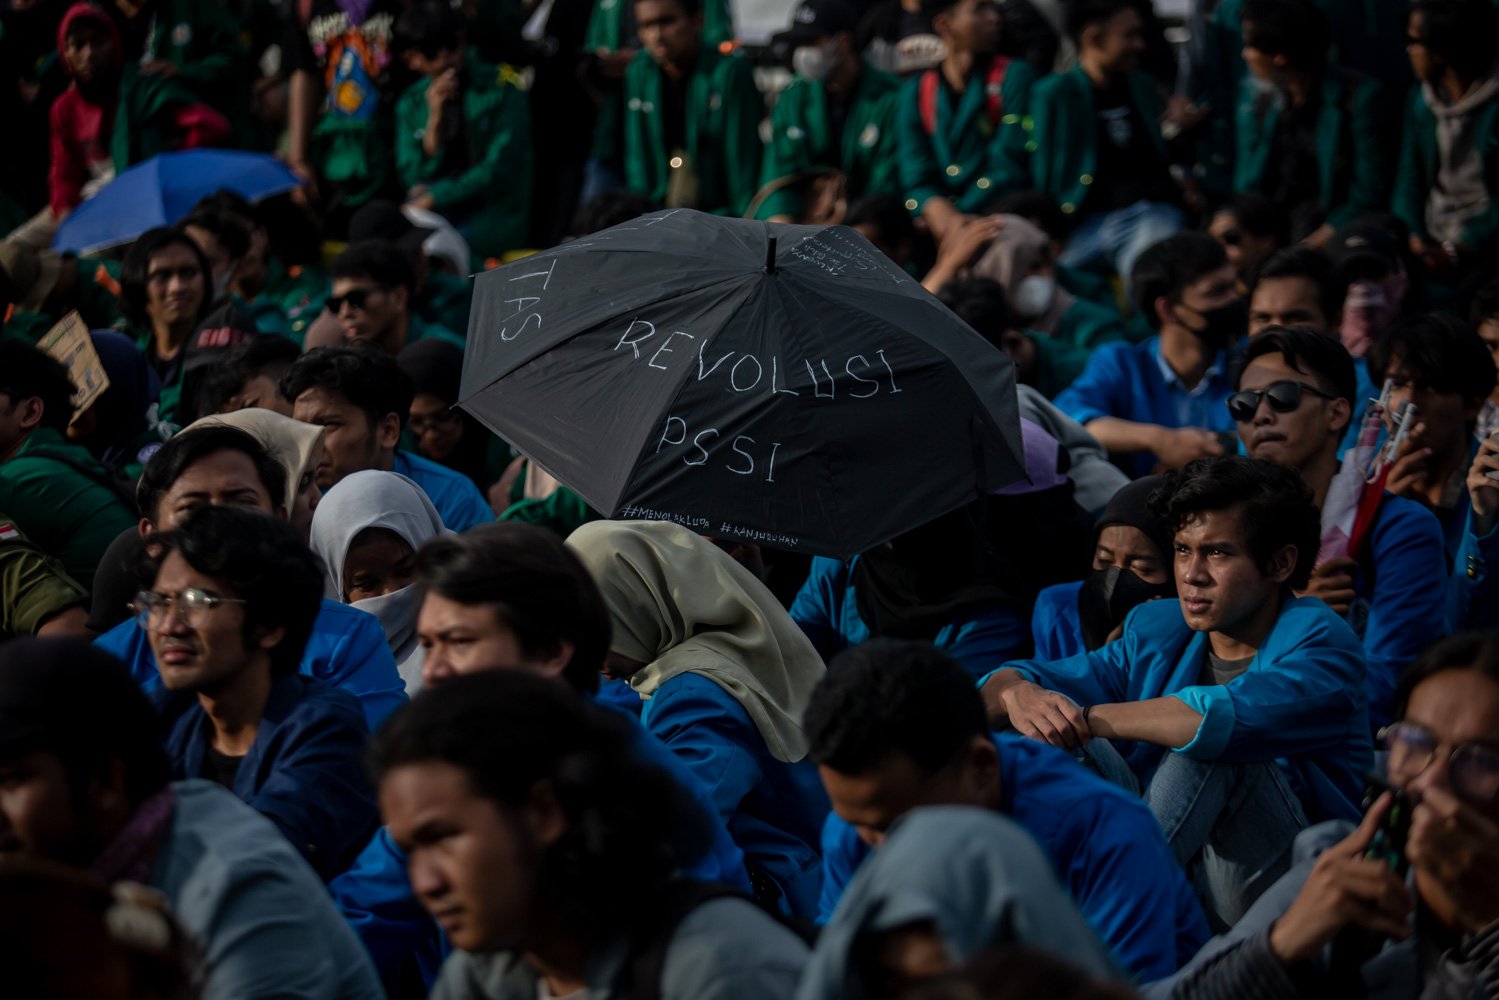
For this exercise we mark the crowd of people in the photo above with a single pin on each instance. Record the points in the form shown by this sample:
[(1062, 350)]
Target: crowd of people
[(312, 686)]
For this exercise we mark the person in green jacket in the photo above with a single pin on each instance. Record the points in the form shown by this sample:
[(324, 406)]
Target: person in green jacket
[(57, 492), (691, 115), (1099, 150), (962, 125), (196, 44), (463, 134), (1040, 361), (373, 284), (44, 287), (837, 114), (1308, 131)]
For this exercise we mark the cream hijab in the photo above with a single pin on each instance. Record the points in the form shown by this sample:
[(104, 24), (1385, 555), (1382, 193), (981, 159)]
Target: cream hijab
[(293, 444), (679, 604)]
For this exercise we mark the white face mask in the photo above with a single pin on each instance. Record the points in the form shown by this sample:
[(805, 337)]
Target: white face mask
[(813, 62), (397, 613), (1034, 294)]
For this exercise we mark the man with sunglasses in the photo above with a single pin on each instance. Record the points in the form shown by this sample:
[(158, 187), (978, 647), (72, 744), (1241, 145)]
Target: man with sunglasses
[(228, 606), (373, 286), (1348, 920), (1294, 402)]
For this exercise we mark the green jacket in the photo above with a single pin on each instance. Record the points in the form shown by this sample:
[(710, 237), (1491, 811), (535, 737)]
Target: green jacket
[(965, 159), (1064, 134), (1057, 364), (445, 301), (800, 139), (493, 195), (291, 299), (69, 514), (1087, 324), (1419, 163), (33, 586), (1350, 160), (606, 25), (722, 135), (141, 124)]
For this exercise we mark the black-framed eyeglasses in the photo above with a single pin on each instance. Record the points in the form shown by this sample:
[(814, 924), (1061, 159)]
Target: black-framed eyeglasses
[(442, 418), (356, 297), (192, 606), (1413, 748), (1284, 397)]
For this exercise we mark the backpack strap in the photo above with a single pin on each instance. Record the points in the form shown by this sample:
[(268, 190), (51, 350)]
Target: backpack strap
[(926, 101), (994, 102)]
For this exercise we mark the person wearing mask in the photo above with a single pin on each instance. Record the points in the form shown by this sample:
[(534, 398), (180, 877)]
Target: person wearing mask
[(1240, 707), (363, 398), (227, 610), (1042, 362), (1348, 919), (724, 675), (1158, 404), (897, 726), (60, 496), (1293, 406), (1367, 263), (837, 115), (371, 297), (366, 534), (1251, 227), (89, 786), (227, 466), (225, 242), (37, 597)]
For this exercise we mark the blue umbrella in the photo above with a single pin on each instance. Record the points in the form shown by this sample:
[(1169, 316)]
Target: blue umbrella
[(165, 188)]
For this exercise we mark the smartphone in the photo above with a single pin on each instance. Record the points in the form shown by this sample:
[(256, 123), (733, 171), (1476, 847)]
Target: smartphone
[(1389, 840)]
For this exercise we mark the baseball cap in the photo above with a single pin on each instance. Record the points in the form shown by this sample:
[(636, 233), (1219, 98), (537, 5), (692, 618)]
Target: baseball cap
[(382, 219), (814, 19), (1363, 246)]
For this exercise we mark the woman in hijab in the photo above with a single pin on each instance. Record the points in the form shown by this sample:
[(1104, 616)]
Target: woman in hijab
[(366, 531), (296, 446), (948, 882), (1132, 564), (1020, 260), (117, 426), (724, 675), (443, 434)]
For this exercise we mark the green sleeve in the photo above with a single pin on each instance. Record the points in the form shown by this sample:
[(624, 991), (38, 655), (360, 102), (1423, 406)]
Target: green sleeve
[(1048, 147), (210, 63), (502, 167), (783, 154), (744, 107), (413, 166), (1409, 201), (718, 25), (1366, 190), (33, 587), (603, 26), (884, 159), (1006, 160), (920, 174)]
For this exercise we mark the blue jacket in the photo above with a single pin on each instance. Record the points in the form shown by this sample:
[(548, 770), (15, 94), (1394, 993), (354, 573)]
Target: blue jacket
[(375, 896), (1473, 593), (1103, 842), (347, 649), (827, 609), (1301, 703), (1127, 381), (1055, 624), (773, 810), (457, 499), (305, 772)]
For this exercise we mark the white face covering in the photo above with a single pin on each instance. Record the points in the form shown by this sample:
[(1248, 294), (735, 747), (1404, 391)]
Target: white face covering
[(813, 62), (397, 613), (1034, 294)]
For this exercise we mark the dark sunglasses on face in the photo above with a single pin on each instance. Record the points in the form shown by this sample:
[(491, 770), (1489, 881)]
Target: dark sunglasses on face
[(1284, 397), (355, 297)]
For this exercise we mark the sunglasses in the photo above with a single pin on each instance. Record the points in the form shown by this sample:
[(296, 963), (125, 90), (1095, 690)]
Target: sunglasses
[(1283, 396), (355, 297)]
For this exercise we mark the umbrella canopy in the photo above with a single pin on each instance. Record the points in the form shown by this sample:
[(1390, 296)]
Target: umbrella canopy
[(778, 384), (163, 190)]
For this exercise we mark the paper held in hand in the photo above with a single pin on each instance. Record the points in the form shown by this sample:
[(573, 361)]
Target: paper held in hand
[(69, 343)]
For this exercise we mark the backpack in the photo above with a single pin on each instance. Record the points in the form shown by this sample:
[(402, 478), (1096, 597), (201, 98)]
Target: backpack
[(926, 98)]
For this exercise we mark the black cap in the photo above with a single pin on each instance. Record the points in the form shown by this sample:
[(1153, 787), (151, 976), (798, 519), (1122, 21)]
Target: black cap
[(382, 219), (1362, 247), (814, 19)]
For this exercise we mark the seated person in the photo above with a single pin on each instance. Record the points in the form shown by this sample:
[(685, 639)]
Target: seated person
[(439, 429), (438, 299), (1473, 597), (585, 839), (60, 496), (1098, 147), (837, 115), (88, 785), (1158, 404), (119, 426), (1307, 131), (373, 285), (293, 445), (962, 138), (1251, 227), (1296, 287), (1368, 264), (724, 675), (364, 399), (1484, 315), (1293, 408), (37, 597), (1132, 557), (229, 600), (1046, 364), (248, 376), (226, 466), (1348, 920), (165, 294), (1257, 694), (898, 725)]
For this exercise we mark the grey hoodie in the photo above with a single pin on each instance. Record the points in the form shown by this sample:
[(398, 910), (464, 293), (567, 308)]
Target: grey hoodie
[(1459, 192)]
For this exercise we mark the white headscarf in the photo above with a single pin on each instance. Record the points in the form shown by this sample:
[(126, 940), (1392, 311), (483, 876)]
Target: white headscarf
[(292, 444)]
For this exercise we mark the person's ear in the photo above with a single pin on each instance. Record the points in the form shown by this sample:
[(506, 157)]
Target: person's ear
[(145, 527), (543, 814), (1283, 563), (981, 768), (1339, 414), (388, 431), (269, 638), (29, 413), (1164, 311), (558, 660), (107, 792), (400, 297)]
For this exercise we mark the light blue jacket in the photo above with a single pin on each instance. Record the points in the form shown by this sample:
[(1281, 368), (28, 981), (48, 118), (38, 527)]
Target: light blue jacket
[(347, 649), (1301, 703), (457, 499), (1103, 843), (1055, 623), (1473, 593)]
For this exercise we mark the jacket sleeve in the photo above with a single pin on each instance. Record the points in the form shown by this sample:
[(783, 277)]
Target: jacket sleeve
[(1101, 390), (505, 132), (814, 608), (1366, 190), (375, 897), (1480, 231), (709, 735), (1097, 678), (842, 852), (412, 164), (1406, 607), (1047, 156), (1473, 593), (1411, 184), (920, 174), (67, 172), (988, 639), (359, 661), (744, 106), (884, 159)]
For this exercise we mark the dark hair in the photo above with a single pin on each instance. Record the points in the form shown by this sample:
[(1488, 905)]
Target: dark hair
[(979, 302), (1464, 651), (232, 202), (368, 378), (380, 261), (136, 268), (174, 458), (1440, 350), (28, 372), (263, 561), (270, 355), (1310, 264), (629, 826), (1296, 29), (534, 583), (1079, 15), (1037, 207), (1460, 33), (1258, 215), (430, 26), (1485, 303), (1274, 503), (931, 8), (610, 209), (227, 227), (892, 696), (886, 213), (1165, 269), (689, 7), (1310, 352)]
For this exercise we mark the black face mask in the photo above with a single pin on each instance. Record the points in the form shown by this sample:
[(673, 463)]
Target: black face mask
[(1108, 595), (1224, 324)]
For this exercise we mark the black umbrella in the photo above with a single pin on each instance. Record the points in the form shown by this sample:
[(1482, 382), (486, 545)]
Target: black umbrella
[(778, 384)]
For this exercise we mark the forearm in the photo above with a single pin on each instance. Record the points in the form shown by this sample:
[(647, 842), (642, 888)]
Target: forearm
[(432, 135), (301, 110), (940, 215), (1122, 437), (996, 685), (1166, 722)]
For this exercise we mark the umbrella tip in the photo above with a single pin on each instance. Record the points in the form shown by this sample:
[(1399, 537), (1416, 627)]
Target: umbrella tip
[(770, 256)]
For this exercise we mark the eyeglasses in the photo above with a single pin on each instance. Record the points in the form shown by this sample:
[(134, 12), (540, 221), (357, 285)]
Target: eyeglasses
[(355, 297), (443, 418), (192, 605), (1284, 397), (1473, 766)]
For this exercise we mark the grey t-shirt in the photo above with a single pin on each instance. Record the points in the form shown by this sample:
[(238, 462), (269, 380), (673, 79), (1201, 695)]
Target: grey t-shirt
[(1221, 671)]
